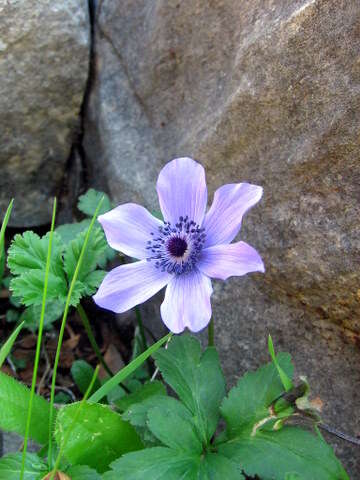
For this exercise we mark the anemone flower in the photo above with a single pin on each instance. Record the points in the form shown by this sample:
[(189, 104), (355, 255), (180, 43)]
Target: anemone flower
[(184, 251)]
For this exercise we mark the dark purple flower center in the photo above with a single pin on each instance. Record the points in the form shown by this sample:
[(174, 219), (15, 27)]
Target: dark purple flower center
[(176, 249), (176, 246)]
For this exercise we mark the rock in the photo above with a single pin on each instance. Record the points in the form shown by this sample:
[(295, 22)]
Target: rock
[(266, 92), (44, 54)]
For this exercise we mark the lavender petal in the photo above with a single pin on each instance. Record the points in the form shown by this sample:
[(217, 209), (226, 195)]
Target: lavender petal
[(224, 261), (128, 229), (187, 302), (223, 221), (182, 190), (129, 285)]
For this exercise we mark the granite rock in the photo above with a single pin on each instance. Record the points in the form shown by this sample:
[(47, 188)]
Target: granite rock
[(266, 92), (44, 55)]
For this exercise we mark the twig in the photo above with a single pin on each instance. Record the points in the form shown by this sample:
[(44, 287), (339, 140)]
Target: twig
[(343, 436)]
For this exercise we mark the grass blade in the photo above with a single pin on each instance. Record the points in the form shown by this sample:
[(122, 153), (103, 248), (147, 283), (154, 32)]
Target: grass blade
[(6, 348), (128, 370), (39, 340), (63, 323), (285, 380), (2, 238)]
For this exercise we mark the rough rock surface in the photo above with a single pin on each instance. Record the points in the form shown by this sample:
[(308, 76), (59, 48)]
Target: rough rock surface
[(263, 91), (44, 55)]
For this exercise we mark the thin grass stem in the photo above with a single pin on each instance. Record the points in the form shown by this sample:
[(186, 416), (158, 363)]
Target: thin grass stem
[(39, 343), (62, 328)]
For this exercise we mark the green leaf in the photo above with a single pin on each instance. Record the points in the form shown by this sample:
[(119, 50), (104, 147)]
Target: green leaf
[(173, 425), (29, 252), (31, 315), (27, 261), (69, 231), (160, 463), (93, 281), (87, 281), (82, 472), (90, 200), (273, 454), (12, 315), (6, 348), (287, 383), (10, 467), (128, 370), (248, 403), (98, 437), (14, 400), (2, 238), (29, 287), (146, 391), (82, 374), (196, 378)]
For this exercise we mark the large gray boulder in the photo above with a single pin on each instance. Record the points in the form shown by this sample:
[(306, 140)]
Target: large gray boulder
[(44, 55), (266, 92)]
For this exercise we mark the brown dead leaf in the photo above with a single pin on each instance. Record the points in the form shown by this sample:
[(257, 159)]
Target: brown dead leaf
[(113, 359)]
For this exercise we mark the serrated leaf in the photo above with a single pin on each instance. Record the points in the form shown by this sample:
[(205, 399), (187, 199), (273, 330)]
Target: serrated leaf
[(273, 454), (82, 374), (161, 463), (10, 467), (93, 281), (82, 472), (148, 390), (29, 252), (248, 402), (14, 400), (2, 238), (197, 379), (29, 287), (86, 278), (31, 315), (27, 261), (98, 437), (89, 201)]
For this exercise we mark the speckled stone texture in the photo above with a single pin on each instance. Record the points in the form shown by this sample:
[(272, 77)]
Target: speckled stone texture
[(44, 55), (260, 91)]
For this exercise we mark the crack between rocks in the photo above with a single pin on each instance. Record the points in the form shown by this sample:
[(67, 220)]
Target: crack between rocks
[(126, 71)]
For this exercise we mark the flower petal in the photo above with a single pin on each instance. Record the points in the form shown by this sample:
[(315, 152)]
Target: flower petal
[(231, 202), (182, 190), (128, 229), (224, 261), (129, 285), (187, 302)]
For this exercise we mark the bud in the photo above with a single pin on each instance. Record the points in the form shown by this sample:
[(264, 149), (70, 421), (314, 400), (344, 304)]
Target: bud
[(57, 476)]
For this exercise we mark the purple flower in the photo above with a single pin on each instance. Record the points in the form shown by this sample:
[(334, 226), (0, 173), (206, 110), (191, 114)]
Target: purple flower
[(184, 251)]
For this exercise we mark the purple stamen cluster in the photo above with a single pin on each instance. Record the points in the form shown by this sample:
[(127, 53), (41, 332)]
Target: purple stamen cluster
[(177, 248)]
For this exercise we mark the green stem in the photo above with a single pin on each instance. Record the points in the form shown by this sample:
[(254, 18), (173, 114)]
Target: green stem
[(62, 328), (95, 347), (141, 327), (211, 339), (76, 416), (39, 343)]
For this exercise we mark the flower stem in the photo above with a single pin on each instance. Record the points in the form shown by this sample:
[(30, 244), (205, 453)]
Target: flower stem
[(95, 347), (141, 327), (38, 344), (211, 342)]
